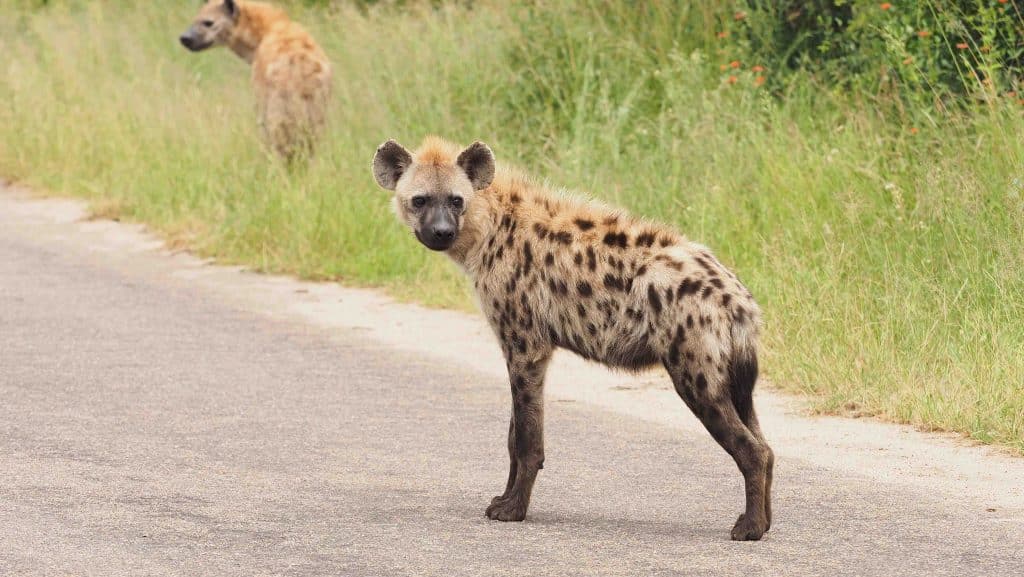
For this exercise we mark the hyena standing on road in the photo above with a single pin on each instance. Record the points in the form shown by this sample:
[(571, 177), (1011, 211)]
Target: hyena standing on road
[(290, 73), (554, 271)]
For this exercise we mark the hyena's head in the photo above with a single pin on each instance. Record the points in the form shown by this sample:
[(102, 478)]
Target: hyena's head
[(435, 187), (212, 26)]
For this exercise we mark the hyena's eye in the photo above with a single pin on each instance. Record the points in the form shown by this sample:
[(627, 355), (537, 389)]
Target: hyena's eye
[(207, 23), (419, 201), (456, 201)]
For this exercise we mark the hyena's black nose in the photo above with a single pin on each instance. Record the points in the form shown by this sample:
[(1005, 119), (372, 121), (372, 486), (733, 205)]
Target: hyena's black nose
[(186, 40), (444, 233)]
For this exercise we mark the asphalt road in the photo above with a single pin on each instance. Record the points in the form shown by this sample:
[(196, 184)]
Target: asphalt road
[(150, 428)]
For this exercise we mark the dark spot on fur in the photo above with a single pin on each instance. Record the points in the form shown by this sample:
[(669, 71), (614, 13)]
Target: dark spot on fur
[(702, 382), (717, 282), (740, 314), (591, 258), (519, 342), (581, 310), (654, 299), (688, 286), (689, 321), (616, 239), (541, 230), (613, 282), (578, 258), (641, 271), (726, 298), (584, 224), (563, 237), (515, 198), (584, 288), (549, 259), (707, 292), (645, 239), (527, 258)]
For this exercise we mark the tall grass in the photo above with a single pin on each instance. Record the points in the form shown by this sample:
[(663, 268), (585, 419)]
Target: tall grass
[(883, 241)]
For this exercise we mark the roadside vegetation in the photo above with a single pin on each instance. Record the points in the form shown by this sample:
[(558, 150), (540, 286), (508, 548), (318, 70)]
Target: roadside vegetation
[(860, 164)]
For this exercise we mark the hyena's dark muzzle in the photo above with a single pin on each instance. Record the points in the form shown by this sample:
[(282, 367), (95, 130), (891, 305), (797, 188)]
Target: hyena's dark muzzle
[(193, 41), (439, 226)]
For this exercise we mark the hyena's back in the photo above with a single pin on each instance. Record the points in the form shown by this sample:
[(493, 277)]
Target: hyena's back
[(292, 80)]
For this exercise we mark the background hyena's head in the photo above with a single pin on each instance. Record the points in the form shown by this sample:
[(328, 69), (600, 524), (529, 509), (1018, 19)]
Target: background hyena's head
[(212, 26), (434, 187)]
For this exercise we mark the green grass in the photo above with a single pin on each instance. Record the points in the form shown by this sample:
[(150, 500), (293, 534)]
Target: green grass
[(884, 241)]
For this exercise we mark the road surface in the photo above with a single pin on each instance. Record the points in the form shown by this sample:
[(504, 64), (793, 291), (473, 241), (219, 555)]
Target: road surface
[(151, 426)]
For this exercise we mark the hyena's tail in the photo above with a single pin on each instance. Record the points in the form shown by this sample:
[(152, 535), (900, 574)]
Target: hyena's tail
[(743, 371)]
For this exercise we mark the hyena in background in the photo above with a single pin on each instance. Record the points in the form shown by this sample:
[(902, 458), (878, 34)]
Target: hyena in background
[(290, 73), (555, 271)]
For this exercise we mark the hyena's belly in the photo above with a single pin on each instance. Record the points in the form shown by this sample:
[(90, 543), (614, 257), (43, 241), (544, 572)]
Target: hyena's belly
[(609, 331)]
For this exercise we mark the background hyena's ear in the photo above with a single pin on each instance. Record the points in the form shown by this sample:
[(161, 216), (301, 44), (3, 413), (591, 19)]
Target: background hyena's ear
[(390, 163), (478, 163), (231, 8)]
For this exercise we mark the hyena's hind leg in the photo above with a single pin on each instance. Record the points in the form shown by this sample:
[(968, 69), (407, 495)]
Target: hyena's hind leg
[(742, 377), (703, 388), (525, 434)]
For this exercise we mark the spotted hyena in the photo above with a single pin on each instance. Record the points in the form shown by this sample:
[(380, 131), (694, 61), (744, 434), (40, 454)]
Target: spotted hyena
[(290, 73), (552, 270)]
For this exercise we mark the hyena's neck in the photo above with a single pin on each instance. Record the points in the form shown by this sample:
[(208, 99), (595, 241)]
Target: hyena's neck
[(493, 217), (254, 22), (478, 227)]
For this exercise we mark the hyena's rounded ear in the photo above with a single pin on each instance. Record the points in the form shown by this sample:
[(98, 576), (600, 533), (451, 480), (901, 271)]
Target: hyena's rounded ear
[(390, 163), (231, 7), (478, 163)]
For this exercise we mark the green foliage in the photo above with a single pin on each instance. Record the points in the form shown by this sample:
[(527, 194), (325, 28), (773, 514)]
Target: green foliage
[(876, 215), (943, 47)]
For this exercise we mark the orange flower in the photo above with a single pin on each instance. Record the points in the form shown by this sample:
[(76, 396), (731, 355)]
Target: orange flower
[(759, 81), (923, 33), (733, 79), (885, 6), (1003, 1), (740, 15), (913, 130), (734, 64), (908, 59), (758, 68), (723, 34), (962, 45)]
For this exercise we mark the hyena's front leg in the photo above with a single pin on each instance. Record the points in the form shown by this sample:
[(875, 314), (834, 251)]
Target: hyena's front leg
[(525, 435)]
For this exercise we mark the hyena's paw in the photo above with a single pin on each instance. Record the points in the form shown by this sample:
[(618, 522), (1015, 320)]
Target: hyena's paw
[(511, 508), (745, 530)]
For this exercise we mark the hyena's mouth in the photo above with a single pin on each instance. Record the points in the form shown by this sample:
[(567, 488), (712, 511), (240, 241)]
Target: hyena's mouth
[(435, 242), (193, 44)]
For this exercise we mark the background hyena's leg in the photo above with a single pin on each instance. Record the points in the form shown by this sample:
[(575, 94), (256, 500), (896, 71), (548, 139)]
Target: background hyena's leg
[(719, 416), (526, 435)]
